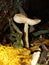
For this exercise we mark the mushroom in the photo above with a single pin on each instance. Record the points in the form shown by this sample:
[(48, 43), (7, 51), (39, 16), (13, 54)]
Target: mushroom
[(20, 18), (35, 57)]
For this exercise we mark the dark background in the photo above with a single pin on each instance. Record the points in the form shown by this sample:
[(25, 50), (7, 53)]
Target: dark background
[(38, 8)]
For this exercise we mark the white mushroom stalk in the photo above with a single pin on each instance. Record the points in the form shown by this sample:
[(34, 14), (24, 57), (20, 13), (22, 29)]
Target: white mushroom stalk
[(26, 35), (35, 58), (20, 18)]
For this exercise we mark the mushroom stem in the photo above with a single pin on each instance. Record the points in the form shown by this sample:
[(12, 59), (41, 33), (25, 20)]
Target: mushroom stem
[(26, 35), (35, 58)]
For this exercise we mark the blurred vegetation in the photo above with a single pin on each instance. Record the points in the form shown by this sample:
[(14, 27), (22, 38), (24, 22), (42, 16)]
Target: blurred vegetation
[(8, 8)]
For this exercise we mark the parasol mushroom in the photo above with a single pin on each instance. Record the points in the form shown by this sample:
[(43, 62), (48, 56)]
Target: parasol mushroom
[(20, 18)]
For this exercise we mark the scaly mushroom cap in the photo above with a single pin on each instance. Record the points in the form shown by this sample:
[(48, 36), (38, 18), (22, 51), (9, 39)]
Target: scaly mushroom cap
[(20, 18)]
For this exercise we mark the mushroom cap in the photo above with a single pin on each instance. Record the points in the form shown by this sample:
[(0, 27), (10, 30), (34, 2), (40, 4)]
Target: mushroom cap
[(20, 18)]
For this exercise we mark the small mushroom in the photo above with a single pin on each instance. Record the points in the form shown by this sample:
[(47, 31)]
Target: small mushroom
[(35, 58), (20, 18)]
